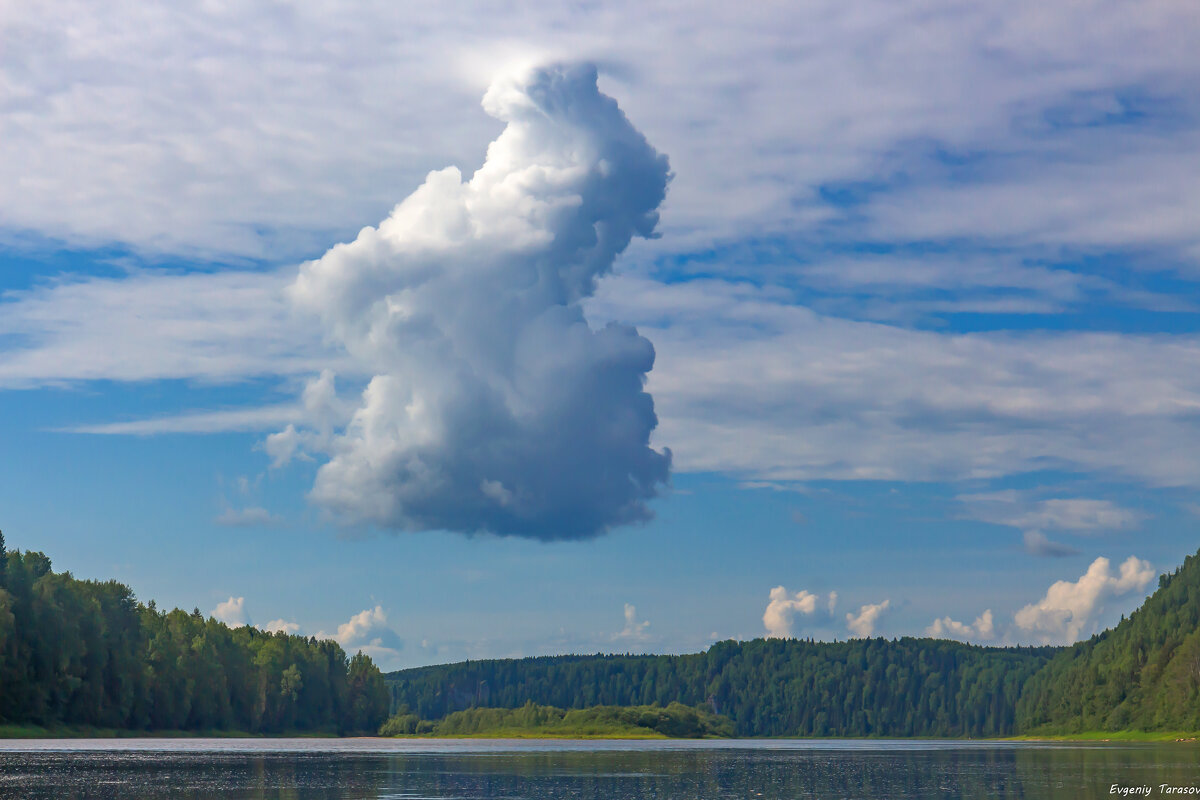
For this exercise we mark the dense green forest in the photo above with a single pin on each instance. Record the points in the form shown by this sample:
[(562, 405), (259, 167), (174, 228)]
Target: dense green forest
[(86, 653), (1144, 674), (674, 720), (767, 687)]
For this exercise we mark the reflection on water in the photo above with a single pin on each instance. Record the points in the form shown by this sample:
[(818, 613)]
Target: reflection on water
[(339, 770)]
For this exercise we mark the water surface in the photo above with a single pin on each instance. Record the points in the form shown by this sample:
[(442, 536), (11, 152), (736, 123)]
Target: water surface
[(340, 769)]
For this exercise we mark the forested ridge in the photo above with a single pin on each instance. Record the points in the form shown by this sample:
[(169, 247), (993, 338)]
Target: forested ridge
[(767, 687), (1142, 675), (86, 653)]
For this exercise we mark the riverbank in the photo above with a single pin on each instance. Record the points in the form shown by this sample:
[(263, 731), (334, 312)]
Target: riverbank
[(1110, 736), (519, 733), (14, 731), (531, 721), (18, 731)]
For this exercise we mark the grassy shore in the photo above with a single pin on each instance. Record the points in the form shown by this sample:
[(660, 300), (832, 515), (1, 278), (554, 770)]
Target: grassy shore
[(533, 721), (552, 731), (549, 733), (1110, 736)]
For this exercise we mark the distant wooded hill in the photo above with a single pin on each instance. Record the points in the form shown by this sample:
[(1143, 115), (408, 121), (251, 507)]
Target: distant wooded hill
[(767, 687), (86, 653), (1144, 675)]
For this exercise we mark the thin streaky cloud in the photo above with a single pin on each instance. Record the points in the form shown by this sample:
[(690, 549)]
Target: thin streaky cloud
[(254, 149), (265, 418)]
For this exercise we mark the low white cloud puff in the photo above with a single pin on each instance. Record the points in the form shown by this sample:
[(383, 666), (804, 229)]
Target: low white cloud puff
[(1070, 608), (981, 630), (368, 632), (783, 608), (281, 626), (635, 630), (862, 624), (232, 612), (493, 405)]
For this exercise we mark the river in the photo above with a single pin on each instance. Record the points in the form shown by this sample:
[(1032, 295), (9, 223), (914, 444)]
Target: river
[(341, 769)]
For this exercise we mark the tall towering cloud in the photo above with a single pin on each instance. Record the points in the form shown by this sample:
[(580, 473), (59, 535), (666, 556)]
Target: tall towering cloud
[(493, 404)]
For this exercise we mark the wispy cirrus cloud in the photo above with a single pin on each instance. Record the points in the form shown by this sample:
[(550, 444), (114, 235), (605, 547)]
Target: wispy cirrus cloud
[(1033, 516), (1001, 149), (248, 517), (1039, 544), (750, 384), (262, 418), (223, 326), (739, 366), (903, 101)]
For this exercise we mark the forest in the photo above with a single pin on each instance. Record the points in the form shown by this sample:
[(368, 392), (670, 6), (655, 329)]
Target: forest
[(766, 687), (87, 654), (1142, 675)]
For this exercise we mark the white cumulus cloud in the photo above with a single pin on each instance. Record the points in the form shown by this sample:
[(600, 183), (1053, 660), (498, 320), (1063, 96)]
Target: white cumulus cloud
[(232, 612), (782, 609), (1069, 608), (635, 630), (368, 631), (982, 629), (281, 626), (863, 623), (493, 404)]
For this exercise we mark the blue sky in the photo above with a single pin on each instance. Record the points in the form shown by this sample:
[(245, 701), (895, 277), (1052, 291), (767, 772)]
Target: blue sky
[(921, 293)]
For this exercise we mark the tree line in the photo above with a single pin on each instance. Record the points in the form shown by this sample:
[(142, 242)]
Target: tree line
[(1144, 674), (766, 687), (87, 653)]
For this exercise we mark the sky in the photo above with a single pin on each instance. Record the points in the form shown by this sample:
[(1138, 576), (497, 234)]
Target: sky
[(543, 328)]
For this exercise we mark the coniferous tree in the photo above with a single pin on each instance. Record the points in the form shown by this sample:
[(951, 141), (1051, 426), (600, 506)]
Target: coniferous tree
[(87, 653)]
